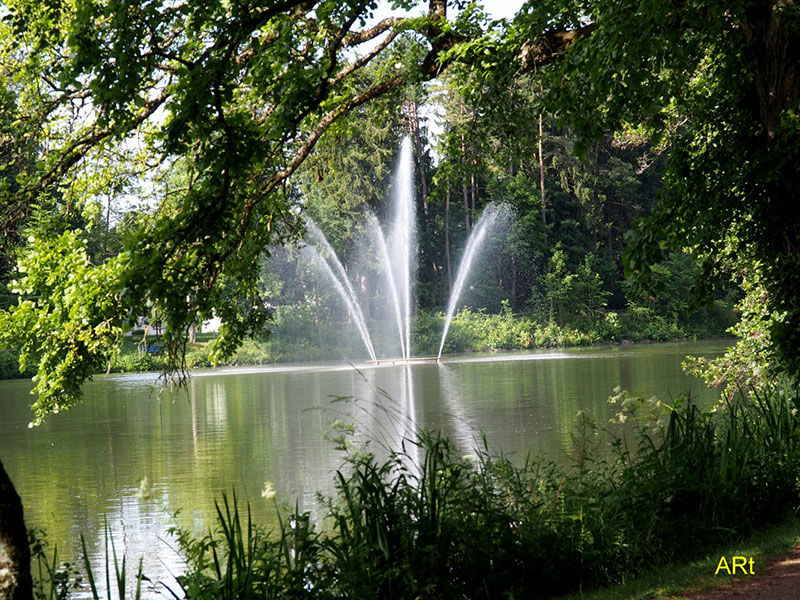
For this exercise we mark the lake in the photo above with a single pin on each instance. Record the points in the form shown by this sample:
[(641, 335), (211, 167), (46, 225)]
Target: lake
[(132, 457)]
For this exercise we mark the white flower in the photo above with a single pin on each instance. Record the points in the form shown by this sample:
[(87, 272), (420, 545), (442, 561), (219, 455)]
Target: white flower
[(268, 492)]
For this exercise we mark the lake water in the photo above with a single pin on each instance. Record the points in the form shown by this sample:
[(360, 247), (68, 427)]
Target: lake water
[(132, 458)]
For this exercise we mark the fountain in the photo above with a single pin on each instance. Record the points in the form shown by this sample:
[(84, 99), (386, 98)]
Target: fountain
[(341, 282), (488, 219), (397, 259)]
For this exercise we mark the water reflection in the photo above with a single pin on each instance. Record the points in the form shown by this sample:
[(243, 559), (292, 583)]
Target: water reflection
[(466, 434), (237, 429)]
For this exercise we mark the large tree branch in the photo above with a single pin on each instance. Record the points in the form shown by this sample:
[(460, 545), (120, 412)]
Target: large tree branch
[(364, 60), (359, 37), (308, 145), (549, 46), (431, 66)]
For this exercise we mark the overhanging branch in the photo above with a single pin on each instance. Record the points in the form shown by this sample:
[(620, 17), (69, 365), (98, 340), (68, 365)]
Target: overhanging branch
[(549, 46), (359, 37)]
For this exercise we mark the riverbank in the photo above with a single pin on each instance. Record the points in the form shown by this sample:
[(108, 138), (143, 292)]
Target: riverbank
[(439, 525), (696, 580), (294, 339), (430, 522)]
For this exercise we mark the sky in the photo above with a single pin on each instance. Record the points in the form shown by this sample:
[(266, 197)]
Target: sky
[(502, 9), (497, 9)]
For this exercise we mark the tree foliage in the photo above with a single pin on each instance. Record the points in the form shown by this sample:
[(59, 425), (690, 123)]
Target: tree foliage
[(236, 95), (718, 83), (105, 99)]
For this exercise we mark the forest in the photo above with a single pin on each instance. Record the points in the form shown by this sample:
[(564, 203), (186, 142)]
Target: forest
[(160, 163)]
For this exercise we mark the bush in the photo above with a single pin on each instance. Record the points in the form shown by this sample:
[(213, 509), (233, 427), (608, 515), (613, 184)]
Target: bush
[(9, 366), (642, 323), (137, 361)]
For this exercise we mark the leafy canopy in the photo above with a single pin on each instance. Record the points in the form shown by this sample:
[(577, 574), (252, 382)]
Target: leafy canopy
[(211, 106)]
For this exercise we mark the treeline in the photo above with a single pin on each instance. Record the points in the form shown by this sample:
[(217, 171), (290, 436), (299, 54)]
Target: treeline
[(558, 263)]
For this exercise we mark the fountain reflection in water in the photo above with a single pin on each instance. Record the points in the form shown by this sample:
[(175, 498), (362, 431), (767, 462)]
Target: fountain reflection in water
[(397, 258)]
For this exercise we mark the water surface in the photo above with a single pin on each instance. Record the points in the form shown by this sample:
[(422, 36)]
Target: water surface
[(133, 457)]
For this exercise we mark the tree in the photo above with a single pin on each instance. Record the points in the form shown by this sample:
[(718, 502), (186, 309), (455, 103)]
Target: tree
[(718, 83), (236, 94), (15, 556), (241, 93)]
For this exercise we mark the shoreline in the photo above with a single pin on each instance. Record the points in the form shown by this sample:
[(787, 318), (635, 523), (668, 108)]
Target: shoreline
[(536, 353)]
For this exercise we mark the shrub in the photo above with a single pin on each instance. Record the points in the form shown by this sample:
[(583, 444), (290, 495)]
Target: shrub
[(137, 361)]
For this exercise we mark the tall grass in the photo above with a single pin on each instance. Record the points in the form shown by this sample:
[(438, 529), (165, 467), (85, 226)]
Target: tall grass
[(59, 581)]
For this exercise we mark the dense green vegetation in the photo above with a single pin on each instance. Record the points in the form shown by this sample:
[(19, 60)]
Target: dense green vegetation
[(156, 159), (296, 337), (239, 118)]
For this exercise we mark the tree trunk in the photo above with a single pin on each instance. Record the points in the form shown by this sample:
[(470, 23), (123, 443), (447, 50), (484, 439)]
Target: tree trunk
[(447, 236), (193, 327), (317, 320), (772, 48), (15, 555), (541, 180), (108, 227), (473, 186), (412, 111), (513, 282), (464, 188), (465, 194)]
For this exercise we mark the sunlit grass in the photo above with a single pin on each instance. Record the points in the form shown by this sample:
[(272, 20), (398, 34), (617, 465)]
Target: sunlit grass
[(676, 580)]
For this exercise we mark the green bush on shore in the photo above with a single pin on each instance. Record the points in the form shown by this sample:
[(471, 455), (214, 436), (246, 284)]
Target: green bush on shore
[(297, 337), (478, 331)]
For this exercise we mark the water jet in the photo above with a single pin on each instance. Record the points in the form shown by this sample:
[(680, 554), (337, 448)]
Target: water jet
[(396, 254)]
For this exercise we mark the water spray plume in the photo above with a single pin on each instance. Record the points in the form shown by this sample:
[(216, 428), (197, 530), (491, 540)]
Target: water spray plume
[(488, 220), (398, 256), (403, 235), (341, 283), (386, 262)]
